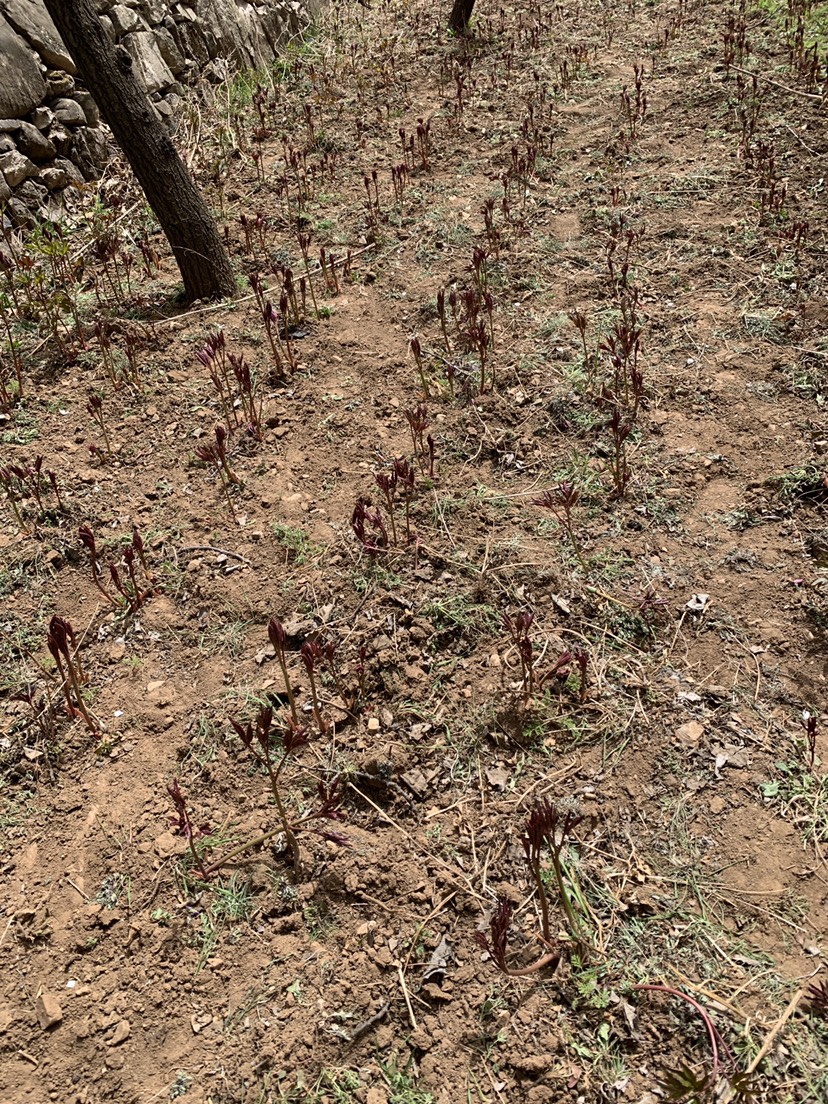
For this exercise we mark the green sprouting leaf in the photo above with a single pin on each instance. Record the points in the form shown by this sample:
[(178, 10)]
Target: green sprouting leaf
[(682, 1083), (770, 789), (744, 1086)]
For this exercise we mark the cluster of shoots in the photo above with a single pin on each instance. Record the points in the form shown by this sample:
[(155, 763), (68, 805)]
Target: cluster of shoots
[(25, 485), (467, 325), (748, 107), (319, 658), (120, 364), (64, 649), (397, 486), (255, 228), (423, 442), (622, 391), (238, 388), (372, 198), (272, 742), (803, 58), (634, 104), (735, 40), (129, 576), (579, 320), (792, 235), (492, 231), (399, 182), (773, 190), (561, 501), (516, 182), (549, 827), (277, 325), (215, 454), (685, 1083), (519, 627)]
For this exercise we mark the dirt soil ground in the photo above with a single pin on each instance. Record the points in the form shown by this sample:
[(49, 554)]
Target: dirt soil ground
[(637, 649)]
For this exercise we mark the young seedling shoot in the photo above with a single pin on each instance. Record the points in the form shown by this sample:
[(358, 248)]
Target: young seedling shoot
[(62, 644), (87, 539), (417, 352), (561, 502), (272, 751), (496, 943), (684, 1082), (369, 528), (809, 724), (311, 654), (518, 628), (548, 824), (278, 638), (183, 825), (94, 406)]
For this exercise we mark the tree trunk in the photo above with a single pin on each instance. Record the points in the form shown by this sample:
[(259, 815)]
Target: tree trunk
[(460, 15), (109, 74)]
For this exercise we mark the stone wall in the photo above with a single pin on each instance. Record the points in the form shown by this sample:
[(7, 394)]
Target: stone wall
[(51, 134)]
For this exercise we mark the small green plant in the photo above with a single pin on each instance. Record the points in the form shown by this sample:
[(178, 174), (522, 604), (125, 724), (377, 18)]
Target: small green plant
[(692, 1086), (298, 546)]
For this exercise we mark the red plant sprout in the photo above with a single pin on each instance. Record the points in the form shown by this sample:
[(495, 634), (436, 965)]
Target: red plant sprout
[(496, 943), (278, 638), (62, 645), (183, 825)]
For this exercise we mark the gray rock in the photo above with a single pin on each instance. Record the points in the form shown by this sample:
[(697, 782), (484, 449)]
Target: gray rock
[(5, 191), (153, 11), (6, 144), (106, 23), (75, 177), (21, 84), (189, 38), (60, 174), (81, 156), (69, 112), (19, 213), (151, 68), (33, 195), (216, 71), (54, 178), (34, 144), (99, 146), (42, 118), (61, 138), (59, 84), (90, 108), (16, 168), (31, 20), (124, 20), (174, 100), (169, 51)]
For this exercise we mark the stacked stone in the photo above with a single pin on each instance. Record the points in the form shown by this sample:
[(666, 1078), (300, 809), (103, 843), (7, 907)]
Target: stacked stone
[(51, 134)]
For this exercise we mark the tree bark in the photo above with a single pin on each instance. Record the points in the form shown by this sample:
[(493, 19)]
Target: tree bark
[(109, 74), (461, 14)]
